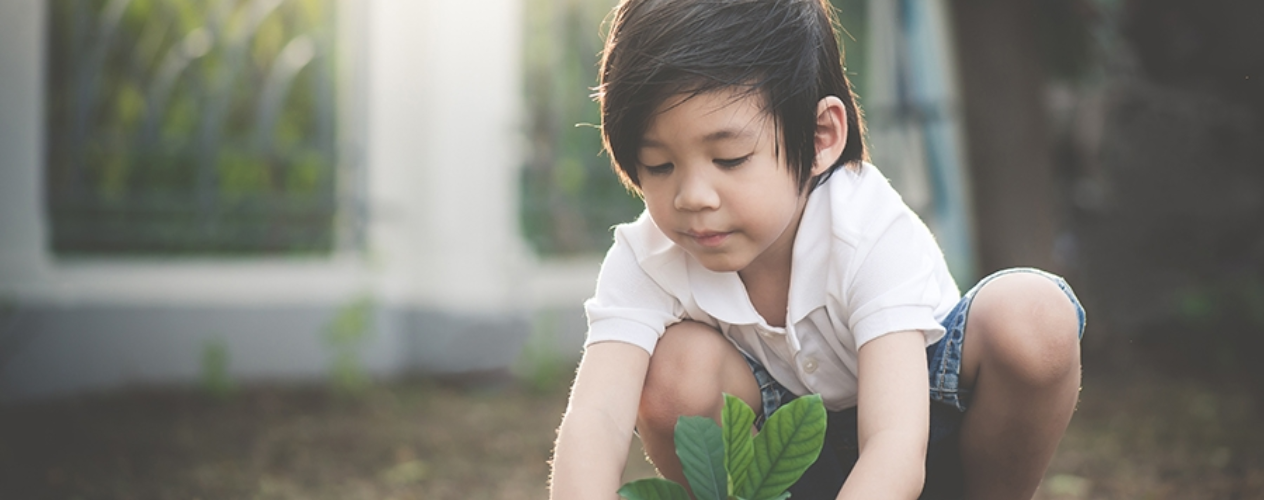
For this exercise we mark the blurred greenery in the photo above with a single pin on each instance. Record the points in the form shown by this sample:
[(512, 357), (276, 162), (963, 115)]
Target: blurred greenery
[(190, 126), (1215, 327), (542, 366), (569, 197), (345, 336), (853, 27), (215, 378)]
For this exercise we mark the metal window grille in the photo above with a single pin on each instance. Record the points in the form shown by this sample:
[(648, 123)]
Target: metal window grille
[(191, 127)]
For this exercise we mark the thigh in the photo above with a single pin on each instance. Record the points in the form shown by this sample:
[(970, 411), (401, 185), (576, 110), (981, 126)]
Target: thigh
[(693, 364)]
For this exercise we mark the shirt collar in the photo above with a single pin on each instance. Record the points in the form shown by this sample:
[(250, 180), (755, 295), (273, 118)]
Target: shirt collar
[(721, 295), (810, 266)]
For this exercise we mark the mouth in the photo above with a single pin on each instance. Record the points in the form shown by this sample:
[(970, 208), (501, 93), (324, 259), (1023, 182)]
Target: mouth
[(709, 239)]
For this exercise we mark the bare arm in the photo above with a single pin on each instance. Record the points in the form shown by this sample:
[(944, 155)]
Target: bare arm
[(894, 419), (592, 443)]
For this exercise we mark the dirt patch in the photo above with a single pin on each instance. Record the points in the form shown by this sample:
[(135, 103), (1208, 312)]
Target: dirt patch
[(1134, 437)]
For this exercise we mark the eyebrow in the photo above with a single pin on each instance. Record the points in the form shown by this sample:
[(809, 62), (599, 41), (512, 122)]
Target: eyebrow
[(718, 135)]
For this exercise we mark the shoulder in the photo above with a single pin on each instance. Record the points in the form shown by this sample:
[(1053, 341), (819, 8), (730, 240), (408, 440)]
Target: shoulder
[(892, 274), (864, 205), (878, 241)]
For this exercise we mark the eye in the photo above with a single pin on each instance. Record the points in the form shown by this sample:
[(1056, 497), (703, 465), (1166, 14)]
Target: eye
[(662, 169), (731, 162)]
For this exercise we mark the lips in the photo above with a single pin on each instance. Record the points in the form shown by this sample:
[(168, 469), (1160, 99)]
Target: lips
[(708, 239)]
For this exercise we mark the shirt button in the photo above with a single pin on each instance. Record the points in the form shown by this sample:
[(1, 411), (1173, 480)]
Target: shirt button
[(809, 365), (766, 334)]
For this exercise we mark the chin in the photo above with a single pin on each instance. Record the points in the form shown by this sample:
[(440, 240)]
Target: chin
[(721, 265)]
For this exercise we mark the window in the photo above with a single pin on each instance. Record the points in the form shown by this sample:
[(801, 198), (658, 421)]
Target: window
[(191, 127)]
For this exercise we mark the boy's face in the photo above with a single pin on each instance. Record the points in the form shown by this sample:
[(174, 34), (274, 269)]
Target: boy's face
[(714, 183)]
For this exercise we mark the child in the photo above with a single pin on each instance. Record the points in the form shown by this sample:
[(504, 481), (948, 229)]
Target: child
[(772, 262)]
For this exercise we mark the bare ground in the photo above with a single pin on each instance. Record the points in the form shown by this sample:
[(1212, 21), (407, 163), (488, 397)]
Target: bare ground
[(1136, 436)]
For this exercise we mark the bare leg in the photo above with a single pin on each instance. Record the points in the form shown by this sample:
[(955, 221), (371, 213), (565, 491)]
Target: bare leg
[(1022, 358), (692, 365)]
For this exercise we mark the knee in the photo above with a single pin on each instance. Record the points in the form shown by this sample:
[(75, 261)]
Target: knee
[(1029, 328), (683, 376)]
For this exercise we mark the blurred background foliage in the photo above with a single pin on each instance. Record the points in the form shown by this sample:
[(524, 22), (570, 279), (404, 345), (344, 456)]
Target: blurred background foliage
[(190, 126), (570, 198), (1167, 184)]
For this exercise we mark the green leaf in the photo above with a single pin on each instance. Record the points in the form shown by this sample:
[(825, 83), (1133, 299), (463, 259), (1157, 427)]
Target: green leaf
[(739, 452), (655, 488), (789, 443), (783, 496), (700, 446)]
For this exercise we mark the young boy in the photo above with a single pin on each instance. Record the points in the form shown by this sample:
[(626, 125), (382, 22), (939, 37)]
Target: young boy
[(772, 261)]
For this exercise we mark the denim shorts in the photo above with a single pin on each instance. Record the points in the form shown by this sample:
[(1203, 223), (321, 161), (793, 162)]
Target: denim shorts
[(948, 401)]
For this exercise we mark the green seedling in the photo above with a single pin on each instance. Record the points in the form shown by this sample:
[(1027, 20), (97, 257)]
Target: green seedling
[(346, 335), (215, 378), (730, 464)]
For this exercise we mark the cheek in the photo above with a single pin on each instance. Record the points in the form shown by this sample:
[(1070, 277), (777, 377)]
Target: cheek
[(773, 212), (650, 195), (658, 205)]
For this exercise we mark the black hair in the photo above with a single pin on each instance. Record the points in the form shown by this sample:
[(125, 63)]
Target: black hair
[(785, 51)]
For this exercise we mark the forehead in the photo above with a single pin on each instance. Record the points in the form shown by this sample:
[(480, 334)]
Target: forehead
[(715, 116)]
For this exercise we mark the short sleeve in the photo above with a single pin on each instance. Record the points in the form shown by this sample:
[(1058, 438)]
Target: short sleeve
[(897, 281), (628, 306)]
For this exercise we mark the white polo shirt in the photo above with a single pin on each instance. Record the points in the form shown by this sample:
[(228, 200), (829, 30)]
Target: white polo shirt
[(864, 265)]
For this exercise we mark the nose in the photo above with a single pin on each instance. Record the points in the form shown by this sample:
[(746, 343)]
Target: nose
[(696, 193)]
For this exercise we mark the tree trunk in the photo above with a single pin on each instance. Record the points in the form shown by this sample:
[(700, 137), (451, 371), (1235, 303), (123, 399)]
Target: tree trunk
[(1008, 139)]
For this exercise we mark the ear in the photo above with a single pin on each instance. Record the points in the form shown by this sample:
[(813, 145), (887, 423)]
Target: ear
[(831, 133)]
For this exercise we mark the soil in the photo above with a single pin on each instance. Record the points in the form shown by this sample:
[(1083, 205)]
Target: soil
[(1136, 435)]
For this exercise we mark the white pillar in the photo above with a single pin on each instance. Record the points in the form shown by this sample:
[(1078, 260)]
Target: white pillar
[(444, 151), (22, 235)]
